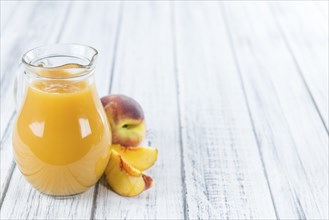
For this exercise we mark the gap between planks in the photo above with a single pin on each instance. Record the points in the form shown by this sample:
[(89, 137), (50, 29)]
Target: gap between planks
[(116, 41), (298, 68), (228, 31), (260, 130), (179, 107)]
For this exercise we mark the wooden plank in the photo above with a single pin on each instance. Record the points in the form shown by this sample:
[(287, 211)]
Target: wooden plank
[(144, 70), (34, 205), (307, 40), (27, 30), (292, 138), (224, 175), (8, 9), (7, 163), (80, 206)]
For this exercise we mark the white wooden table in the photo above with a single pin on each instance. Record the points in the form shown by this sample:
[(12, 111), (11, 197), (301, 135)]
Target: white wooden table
[(235, 96)]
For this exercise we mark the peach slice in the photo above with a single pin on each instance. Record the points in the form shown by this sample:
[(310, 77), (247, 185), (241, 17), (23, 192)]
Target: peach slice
[(140, 157), (124, 179)]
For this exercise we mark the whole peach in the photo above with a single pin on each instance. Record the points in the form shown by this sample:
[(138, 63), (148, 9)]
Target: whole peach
[(126, 118)]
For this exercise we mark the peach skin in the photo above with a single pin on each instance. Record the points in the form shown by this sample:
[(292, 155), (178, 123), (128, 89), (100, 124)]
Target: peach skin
[(126, 118)]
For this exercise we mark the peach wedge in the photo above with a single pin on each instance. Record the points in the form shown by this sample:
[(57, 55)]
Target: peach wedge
[(124, 179), (140, 157)]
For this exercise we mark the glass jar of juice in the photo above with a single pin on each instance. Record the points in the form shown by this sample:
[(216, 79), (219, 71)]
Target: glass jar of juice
[(61, 136)]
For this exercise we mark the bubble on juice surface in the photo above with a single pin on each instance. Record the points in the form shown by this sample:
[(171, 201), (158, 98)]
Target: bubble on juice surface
[(60, 86), (59, 80)]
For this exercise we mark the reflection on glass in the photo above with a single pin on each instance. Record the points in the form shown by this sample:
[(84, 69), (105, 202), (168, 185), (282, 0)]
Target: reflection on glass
[(84, 127), (37, 128)]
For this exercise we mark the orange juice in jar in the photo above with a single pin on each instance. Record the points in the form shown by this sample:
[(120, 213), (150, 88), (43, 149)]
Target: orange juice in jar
[(61, 136)]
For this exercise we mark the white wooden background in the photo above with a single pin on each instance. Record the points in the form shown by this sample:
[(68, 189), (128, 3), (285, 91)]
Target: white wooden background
[(235, 96)]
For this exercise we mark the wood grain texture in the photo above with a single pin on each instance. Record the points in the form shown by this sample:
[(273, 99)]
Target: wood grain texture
[(235, 98), (287, 124), (144, 70), (306, 39), (225, 178)]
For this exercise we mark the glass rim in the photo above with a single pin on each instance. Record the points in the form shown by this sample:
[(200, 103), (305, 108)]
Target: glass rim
[(87, 67)]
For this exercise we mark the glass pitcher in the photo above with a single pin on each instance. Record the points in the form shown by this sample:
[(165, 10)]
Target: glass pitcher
[(61, 136)]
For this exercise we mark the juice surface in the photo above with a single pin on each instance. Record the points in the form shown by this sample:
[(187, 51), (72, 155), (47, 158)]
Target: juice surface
[(61, 139)]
